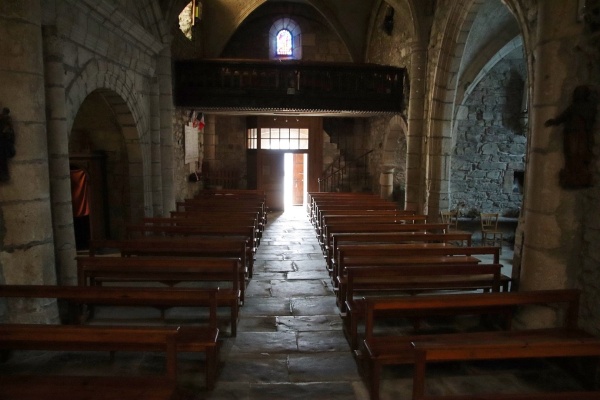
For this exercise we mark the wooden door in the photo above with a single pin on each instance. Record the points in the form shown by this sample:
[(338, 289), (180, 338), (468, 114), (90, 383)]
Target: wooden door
[(271, 178), (298, 189)]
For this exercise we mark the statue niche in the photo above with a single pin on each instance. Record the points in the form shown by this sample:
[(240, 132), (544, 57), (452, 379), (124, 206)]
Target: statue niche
[(578, 138)]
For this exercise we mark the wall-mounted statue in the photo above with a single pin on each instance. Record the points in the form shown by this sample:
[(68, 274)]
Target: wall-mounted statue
[(7, 143), (578, 139)]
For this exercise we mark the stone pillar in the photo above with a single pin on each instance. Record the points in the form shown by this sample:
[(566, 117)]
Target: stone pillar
[(553, 228), (166, 127), (58, 158), (386, 182), (26, 239), (155, 149), (210, 142), (439, 159), (415, 176)]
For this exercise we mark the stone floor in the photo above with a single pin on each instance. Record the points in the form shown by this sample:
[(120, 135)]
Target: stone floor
[(290, 343)]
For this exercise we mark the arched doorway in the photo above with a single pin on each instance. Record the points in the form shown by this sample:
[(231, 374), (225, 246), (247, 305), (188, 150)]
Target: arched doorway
[(98, 146)]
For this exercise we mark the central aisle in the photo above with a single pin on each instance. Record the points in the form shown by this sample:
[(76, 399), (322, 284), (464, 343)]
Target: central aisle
[(290, 343)]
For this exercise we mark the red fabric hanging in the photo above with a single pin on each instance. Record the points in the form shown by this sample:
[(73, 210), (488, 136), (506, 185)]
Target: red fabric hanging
[(79, 193)]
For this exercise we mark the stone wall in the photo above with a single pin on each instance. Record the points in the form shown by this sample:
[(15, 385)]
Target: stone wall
[(587, 273), (231, 146), (394, 50), (490, 143)]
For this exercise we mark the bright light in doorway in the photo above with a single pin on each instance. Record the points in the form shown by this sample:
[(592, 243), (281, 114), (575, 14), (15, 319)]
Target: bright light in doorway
[(288, 182)]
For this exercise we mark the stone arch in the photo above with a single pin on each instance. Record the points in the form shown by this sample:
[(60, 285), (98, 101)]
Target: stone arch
[(393, 140), (119, 91), (223, 24), (483, 64), (441, 98), (393, 168)]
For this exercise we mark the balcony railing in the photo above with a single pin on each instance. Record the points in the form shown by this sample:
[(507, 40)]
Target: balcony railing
[(288, 85)]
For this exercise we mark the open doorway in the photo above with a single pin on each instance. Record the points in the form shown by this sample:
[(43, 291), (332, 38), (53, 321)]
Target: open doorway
[(295, 184)]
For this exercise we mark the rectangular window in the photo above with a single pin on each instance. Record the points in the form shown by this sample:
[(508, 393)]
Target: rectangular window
[(252, 142), (278, 139)]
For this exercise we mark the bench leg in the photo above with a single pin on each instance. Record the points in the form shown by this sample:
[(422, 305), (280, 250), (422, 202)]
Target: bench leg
[(172, 359), (211, 367), (419, 375), (234, 319), (374, 375), (353, 331)]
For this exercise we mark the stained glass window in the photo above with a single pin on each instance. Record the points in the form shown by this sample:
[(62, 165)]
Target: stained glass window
[(284, 43)]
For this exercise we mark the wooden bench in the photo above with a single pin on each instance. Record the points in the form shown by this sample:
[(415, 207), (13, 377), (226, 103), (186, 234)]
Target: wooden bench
[(81, 297), (348, 201), (182, 246), (394, 211), (403, 280), (167, 339), (223, 203), (208, 215), (590, 395), (322, 209), (36, 387), (223, 218), (510, 345), (223, 273), (201, 338), (218, 230), (377, 228), (338, 238), (360, 214), (398, 254), (386, 348), (340, 220)]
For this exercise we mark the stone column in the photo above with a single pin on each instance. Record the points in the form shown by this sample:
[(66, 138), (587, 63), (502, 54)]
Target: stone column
[(58, 158), (166, 127), (415, 176), (155, 149), (26, 239), (386, 182), (553, 228)]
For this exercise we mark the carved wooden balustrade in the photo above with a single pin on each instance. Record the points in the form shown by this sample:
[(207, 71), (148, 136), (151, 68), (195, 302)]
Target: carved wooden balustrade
[(288, 85)]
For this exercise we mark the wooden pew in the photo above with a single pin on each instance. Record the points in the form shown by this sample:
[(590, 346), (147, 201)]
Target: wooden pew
[(230, 192), (29, 387), (541, 343), (202, 338), (403, 280), (230, 202), (338, 238), (381, 348), (218, 272), (340, 220), (183, 246), (79, 298), (217, 230), (317, 201), (360, 212), (590, 395), (323, 209), (405, 254), (209, 214), (168, 339), (378, 227)]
